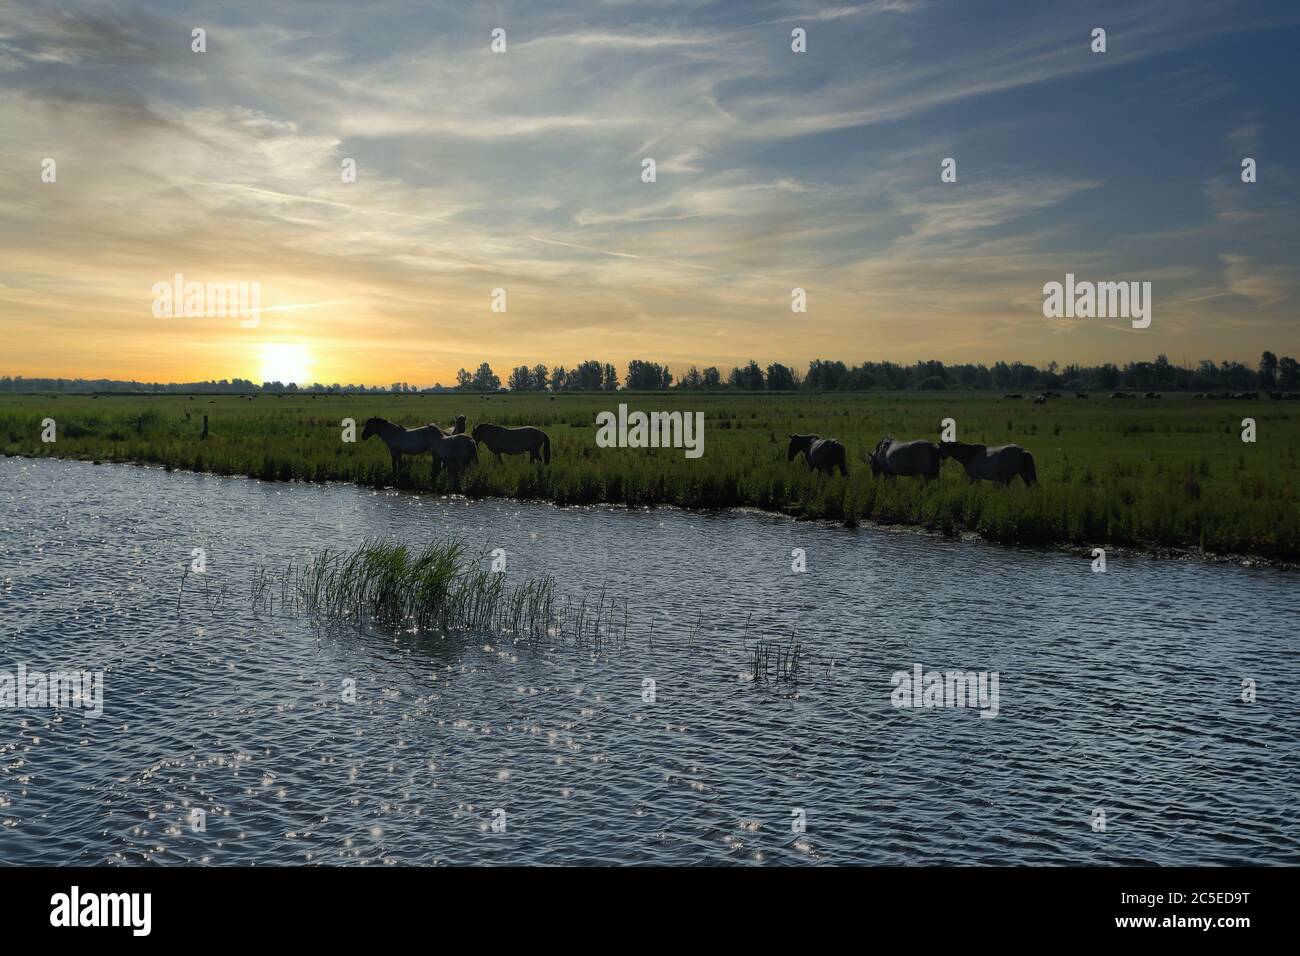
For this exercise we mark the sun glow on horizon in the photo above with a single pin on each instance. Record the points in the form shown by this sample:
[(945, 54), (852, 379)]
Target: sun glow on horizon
[(286, 363)]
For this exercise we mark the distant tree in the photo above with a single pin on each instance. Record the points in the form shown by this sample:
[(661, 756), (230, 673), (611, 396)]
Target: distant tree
[(540, 378), (463, 379), (1268, 371), (711, 378), (1288, 374), (647, 376), (692, 379), (750, 378), (586, 377), (559, 379), (780, 378), (1236, 376), (485, 380), (824, 376), (521, 379)]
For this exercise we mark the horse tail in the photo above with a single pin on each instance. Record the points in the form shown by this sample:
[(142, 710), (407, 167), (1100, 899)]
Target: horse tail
[(473, 451), (546, 448), (844, 460), (1027, 470)]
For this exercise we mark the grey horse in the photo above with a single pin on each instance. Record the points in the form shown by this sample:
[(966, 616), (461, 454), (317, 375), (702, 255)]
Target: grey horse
[(401, 441), (823, 454), (999, 464), (514, 441), (457, 452), (893, 458)]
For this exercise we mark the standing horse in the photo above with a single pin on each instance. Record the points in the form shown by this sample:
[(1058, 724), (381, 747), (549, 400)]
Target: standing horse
[(823, 454), (457, 452), (514, 441), (400, 441), (999, 464), (893, 458)]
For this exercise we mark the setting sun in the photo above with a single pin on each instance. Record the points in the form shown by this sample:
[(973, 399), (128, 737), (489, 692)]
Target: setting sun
[(286, 363)]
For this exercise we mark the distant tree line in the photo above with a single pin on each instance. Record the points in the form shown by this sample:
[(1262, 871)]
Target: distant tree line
[(826, 376), (1272, 374)]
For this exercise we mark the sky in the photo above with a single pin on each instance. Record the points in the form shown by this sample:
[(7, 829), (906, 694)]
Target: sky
[(522, 170)]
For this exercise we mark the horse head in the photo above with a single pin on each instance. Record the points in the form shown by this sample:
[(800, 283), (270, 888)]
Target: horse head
[(372, 427), (876, 458), (478, 432), (955, 449), (798, 443)]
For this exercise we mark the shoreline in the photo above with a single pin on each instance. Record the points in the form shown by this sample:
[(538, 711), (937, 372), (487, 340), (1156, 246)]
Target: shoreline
[(1081, 551)]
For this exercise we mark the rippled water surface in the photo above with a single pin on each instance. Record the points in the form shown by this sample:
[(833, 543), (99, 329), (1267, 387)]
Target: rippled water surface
[(1119, 692)]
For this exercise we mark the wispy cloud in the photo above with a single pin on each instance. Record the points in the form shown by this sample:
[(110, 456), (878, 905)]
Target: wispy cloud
[(523, 170)]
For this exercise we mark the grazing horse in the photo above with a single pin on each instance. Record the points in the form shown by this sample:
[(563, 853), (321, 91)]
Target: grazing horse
[(999, 464), (514, 441), (822, 454), (893, 458), (457, 452), (401, 441)]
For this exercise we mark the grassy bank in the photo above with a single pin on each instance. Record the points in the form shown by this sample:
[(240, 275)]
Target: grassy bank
[(1172, 472)]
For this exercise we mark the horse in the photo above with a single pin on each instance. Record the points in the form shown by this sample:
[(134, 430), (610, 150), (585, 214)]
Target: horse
[(999, 464), (514, 441), (457, 452), (401, 441), (822, 454), (893, 458)]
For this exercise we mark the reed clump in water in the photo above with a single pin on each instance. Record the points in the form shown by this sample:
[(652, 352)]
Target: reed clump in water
[(775, 661), (389, 584)]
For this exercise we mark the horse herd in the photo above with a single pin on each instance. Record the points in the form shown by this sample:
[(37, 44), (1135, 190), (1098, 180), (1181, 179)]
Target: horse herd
[(891, 458), (454, 448)]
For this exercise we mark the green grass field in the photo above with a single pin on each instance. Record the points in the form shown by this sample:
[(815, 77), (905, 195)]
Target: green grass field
[(1161, 473)]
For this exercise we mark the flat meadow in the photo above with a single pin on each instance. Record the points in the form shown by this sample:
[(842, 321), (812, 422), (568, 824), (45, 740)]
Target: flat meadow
[(1168, 473)]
